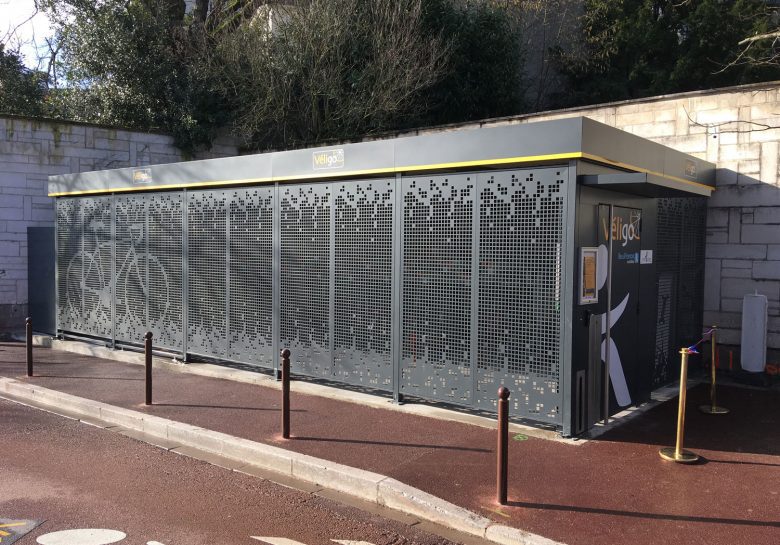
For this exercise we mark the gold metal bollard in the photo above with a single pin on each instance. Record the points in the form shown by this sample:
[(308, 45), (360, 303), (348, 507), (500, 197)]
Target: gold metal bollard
[(678, 454), (713, 408)]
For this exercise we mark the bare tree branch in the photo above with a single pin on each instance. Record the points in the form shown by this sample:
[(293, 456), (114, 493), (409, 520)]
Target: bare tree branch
[(760, 37), (12, 32), (752, 126), (328, 69)]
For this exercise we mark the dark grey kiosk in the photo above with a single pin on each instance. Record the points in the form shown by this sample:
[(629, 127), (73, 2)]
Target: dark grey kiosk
[(438, 267)]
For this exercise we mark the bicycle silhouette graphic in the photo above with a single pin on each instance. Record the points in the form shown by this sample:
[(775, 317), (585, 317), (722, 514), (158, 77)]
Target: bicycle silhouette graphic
[(130, 287)]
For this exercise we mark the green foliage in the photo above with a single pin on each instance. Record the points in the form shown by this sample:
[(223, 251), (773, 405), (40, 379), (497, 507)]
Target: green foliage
[(484, 73), (637, 48), (328, 69), (132, 64), (22, 91), (282, 76)]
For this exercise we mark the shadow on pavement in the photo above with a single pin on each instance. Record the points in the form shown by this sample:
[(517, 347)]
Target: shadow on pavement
[(88, 378), (228, 407), (655, 516), (737, 462), (751, 427), (389, 444)]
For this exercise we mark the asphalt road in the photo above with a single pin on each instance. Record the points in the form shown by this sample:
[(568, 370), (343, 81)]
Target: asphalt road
[(73, 476)]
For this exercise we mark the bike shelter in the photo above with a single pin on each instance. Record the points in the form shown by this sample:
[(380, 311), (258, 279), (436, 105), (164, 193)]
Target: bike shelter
[(436, 266)]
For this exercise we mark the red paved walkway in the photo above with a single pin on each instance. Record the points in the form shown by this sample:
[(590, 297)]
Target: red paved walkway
[(611, 490)]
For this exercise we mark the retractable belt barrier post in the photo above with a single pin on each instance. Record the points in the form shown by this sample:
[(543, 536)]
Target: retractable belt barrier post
[(29, 345), (713, 407), (678, 454)]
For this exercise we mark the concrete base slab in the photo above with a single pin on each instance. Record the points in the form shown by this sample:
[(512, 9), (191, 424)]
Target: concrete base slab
[(659, 396)]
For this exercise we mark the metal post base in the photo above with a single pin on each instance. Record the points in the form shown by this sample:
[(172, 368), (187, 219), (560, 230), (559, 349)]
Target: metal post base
[(713, 409), (686, 456)]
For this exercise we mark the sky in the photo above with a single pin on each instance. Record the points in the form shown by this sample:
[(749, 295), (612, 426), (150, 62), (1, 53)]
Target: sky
[(18, 30)]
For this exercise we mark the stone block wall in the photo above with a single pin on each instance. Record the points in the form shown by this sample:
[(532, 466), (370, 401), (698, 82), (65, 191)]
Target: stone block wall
[(31, 151), (738, 129)]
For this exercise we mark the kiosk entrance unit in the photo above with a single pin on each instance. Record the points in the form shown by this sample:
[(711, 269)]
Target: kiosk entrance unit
[(438, 267)]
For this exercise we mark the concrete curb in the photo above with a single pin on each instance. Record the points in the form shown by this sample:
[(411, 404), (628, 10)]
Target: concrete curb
[(249, 377), (361, 484)]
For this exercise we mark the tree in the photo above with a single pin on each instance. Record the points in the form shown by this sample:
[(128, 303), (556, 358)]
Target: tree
[(327, 69), (485, 65), (132, 63), (636, 48), (761, 47), (284, 73), (22, 91), (545, 25)]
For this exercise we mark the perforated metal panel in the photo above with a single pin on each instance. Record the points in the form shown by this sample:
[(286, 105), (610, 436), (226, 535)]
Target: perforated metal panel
[(680, 270), (690, 290), (130, 268), (437, 287), (664, 366), (520, 266), (96, 276), (207, 213), (479, 288), (84, 265), (148, 268), (164, 221), (251, 276), (69, 264), (305, 276), (363, 282)]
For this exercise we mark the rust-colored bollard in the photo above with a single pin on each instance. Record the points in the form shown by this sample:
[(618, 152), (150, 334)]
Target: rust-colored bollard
[(148, 365), (286, 393), (502, 465), (29, 340)]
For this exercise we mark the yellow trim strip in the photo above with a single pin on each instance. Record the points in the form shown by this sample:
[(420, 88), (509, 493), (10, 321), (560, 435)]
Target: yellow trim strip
[(388, 170), (486, 162)]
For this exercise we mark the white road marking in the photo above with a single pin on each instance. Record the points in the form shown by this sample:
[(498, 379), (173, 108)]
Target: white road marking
[(277, 540), (286, 541), (84, 536), (154, 543)]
